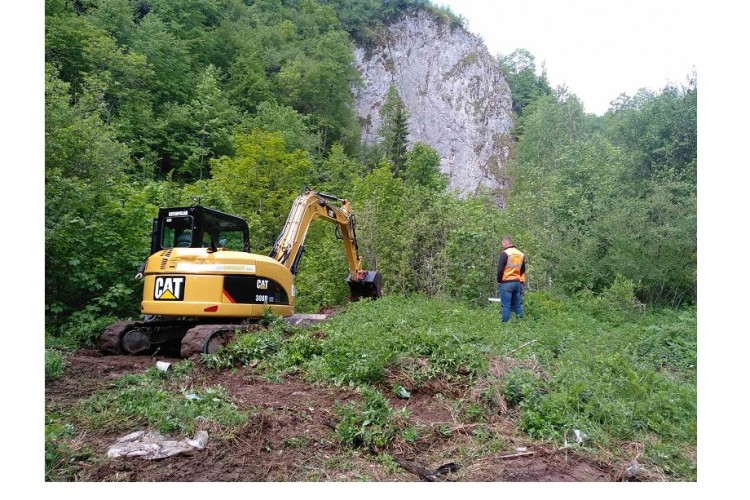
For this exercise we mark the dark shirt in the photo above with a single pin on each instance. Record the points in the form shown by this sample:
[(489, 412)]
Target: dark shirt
[(503, 261)]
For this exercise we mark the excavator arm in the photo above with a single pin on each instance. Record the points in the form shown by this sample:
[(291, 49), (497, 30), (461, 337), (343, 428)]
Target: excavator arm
[(289, 246)]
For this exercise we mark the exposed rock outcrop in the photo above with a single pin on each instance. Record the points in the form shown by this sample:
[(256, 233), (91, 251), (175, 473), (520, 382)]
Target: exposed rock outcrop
[(458, 101)]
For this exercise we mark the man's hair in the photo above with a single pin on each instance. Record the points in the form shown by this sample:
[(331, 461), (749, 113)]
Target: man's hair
[(507, 239)]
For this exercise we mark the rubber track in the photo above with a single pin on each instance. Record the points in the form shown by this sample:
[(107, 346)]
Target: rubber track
[(195, 339), (110, 341)]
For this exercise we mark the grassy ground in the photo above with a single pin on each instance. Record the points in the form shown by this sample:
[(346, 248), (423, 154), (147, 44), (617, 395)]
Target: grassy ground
[(623, 378)]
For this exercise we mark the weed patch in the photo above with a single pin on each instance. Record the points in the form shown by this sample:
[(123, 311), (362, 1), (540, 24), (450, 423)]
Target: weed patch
[(153, 399), (53, 364), (371, 424)]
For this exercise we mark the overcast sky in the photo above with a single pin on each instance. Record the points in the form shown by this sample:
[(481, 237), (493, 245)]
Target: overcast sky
[(599, 49)]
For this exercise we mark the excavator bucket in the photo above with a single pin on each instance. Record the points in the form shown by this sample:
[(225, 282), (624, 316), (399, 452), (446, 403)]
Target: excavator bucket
[(369, 285)]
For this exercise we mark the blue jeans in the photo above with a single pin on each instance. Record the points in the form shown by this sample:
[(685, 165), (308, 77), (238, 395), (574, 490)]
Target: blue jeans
[(510, 298)]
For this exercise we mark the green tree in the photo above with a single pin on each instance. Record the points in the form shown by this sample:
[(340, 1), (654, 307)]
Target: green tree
[(394, 130), (261, 181), (423, 168), (169, 57), (293, 126), (214, 118), (249, 86), (519, 69), (596, 198), (339, 173), (659, 132), (380, 210), (96, 225)]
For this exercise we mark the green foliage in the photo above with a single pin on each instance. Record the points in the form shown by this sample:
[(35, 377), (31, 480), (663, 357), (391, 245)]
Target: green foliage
[(293, 126), (424, 240), (423, 168), (322, 272), (659, 132), (78, 141), (394, 131), (672, 460), (522, 385), (54, 363), (339, 172), (591, 199), (58, 453), (370, 424), (365, 20), (261, 182), (151, 400), (211, 120), (394, 331), (602, 379), (95, 240), (622, 292), (519, 70), (248, 348), (275, 349)]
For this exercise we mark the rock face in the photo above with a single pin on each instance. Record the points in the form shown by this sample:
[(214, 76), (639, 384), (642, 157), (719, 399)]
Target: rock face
[(458, 101)]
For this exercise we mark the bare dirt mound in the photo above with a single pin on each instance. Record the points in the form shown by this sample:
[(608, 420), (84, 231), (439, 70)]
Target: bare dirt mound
[(291, 436)]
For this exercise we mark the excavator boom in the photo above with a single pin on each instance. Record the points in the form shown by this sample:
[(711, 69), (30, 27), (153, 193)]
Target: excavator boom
[(289, 245)]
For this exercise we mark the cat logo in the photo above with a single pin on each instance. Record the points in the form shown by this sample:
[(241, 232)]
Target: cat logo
[(169, 288), (262, 284)]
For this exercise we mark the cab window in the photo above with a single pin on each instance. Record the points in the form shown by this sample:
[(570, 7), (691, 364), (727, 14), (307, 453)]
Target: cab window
[(224, 232), (176, 232)]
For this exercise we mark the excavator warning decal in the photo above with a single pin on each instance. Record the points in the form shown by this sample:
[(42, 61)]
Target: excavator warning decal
[(169, 288)]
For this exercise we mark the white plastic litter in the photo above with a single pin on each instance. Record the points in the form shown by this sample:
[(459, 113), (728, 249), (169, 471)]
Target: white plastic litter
[(580, 436), (162, 366), (153, 446), (632, 469)]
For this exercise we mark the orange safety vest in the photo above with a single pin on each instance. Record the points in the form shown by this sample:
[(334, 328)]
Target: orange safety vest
[(512, 270)]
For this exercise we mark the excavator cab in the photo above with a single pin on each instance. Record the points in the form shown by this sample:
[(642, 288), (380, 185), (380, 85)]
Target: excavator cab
[(198, 227)]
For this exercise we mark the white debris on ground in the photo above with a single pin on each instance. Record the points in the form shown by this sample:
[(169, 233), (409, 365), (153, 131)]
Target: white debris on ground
[(153, 446)]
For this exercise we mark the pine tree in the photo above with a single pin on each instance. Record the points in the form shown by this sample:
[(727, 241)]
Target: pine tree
[(394, 130)]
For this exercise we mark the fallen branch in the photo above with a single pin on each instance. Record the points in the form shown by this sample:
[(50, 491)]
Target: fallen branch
[(522, 346), (514, 455), (416, 469)]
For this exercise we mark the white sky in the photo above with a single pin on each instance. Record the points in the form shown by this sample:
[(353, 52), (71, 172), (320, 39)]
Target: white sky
[(599, 49)]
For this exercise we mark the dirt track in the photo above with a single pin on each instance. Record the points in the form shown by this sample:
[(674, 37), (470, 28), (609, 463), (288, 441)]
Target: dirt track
[(291, 438)]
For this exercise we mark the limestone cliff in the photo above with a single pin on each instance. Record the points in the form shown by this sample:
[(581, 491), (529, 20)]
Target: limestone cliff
[(458, 101)]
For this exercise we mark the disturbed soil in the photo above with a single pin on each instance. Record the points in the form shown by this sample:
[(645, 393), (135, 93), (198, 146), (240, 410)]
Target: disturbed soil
[(291, 436)]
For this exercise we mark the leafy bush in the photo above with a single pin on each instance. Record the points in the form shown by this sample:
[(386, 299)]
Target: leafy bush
[(83, 328), (57, 452), (249, 347), (370, 424), (521, 385), (53, 364)]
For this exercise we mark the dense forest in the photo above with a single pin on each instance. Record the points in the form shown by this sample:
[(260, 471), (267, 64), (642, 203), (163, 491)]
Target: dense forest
[(241, 104)]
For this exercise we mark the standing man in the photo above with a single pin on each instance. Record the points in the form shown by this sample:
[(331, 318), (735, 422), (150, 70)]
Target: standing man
[(510, 267)]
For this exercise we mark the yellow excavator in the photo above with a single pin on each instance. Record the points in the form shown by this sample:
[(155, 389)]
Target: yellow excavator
[(201, 283)]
